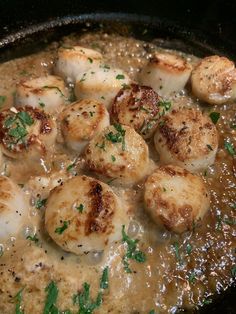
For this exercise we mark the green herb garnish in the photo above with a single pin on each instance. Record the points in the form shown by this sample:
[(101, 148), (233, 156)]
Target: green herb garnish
[(55, 87), (52, 294), (101, 146), (70, 167), (80, 208), (90, 60), (176, 251), (230, 148), (118, 137), (192, 277), (33, 238), (132, 251), (104, 279), (41, 104), (207, 301), (61, 229), (18, 298), (113, 158), (215, 116), (40, 203), (233, 271), (165, 105), (188, 248), (120, 77), (151, 312)]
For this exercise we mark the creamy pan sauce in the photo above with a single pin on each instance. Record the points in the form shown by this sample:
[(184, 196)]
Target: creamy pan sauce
[(173, 272)]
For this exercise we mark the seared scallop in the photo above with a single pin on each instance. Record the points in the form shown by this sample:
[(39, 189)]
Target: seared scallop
[(26, 132), (187, 138), (84, 215), (137, 106), (47, 92), (13, 208), (118, 152), (81, 120), (166, 73), (76, 60), (102, 84), (175, 198), (214, 80)]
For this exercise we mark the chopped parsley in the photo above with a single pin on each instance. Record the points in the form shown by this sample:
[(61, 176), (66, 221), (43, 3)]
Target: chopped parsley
[(52, 294), (209, 147), (207, 301), (120, 77), (230, 148), (1, 250), (151, 312), (90, 60), (80, 208), (176, 251), (40, 203), (192, 277), (41, 104), (189, 248), (18, 298), (83, 298), (33, 238), (233, 271), (113, 158), (2, 100), (55, 87), (118, 137), (16, 125), (132, 252), (215, 116), (104, 279), (61, 229), (70, 167), (165, 106), (91, 113)]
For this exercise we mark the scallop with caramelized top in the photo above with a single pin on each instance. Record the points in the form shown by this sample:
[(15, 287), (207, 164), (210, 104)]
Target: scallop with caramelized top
[(13, 208), (166, 73), (26, 132), (81, 120), (175, 198), (47, 92), (137, 106), (84, 215), (118, 152), (214, 80), (76, 60), (187, 138), (102, 84)]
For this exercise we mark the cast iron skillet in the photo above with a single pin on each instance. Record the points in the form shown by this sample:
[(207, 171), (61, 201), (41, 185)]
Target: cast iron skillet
[(199, 27)]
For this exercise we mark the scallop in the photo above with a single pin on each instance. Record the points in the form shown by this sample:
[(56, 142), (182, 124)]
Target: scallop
[(175, 198), (137, 106), (47, 92), (214, 80), (13, 208), (26, 132), (84, 215), (102, 84), (187, 138), (118, 152), (80, 122), (76, 60), (166, 73)]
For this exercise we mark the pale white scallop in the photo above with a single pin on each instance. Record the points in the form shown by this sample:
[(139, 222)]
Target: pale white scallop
[(76, 60), (175, 198), (13, 208), (39, 130), (91, 213), (214, 80), (102, 84), (118, 152), (46, 92), (80, 122), (166, 73), (187, 138)]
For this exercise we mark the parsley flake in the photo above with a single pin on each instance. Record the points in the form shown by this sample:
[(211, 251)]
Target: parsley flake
[(61, 229), (113, 158), (120, 77), (33, 238), (18, 298), (80, 208), (132, 251), (52, 294), (230, 148), (40, 203), (215, 116)]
